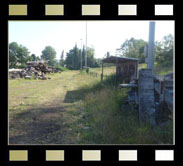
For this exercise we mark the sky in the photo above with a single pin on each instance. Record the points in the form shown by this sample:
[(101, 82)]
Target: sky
[(103, 36)]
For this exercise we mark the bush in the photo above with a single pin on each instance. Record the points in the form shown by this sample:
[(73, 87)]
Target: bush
[(60, 68), (22, 66)]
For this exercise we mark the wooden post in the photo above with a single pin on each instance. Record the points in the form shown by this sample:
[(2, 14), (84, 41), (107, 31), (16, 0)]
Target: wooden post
[(102, 71), (116, 72), (146, 96)]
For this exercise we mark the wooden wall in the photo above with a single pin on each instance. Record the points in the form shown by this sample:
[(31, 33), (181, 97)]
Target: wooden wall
[(127, 70)]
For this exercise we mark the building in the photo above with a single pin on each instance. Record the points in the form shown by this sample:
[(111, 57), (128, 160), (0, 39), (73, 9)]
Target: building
[(126, 68)]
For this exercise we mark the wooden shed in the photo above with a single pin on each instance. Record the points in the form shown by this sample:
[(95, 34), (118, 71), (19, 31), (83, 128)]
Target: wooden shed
[(126, 68)]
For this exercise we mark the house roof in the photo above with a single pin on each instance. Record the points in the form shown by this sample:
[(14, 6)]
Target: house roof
[(114, 59)]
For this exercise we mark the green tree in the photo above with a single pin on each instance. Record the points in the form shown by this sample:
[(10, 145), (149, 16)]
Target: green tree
[(91, 61), (17, 54), (49, 54), (13, 53), (73, 59), (134, 48), (62, 58), (33, 57), (164, 51)]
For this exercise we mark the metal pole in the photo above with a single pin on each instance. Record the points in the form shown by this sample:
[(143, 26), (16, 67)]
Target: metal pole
[(81, 55), (150, 64), (86, 48)]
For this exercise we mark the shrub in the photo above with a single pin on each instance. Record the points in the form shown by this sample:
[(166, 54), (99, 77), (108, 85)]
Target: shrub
[(60, 68)]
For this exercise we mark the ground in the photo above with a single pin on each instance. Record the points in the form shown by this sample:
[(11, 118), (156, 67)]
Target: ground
[(75, 108), (42, 111)]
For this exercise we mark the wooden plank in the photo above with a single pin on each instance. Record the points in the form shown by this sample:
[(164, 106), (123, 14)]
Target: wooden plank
[(132, 85), (102, 71), (168, 98)]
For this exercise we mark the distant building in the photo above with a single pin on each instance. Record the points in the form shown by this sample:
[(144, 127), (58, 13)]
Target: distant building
[(126, 68)]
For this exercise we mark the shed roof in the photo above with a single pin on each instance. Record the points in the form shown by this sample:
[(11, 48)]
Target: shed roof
[(114, 59)]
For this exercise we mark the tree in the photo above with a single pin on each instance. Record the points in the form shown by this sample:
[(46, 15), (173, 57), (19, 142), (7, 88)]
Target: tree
[(13, 53), (17, 54), (134, 48), (49, 54), (91, 61), (108, 54), (164, 51), (62, 58), (33, 57), (73, 59)]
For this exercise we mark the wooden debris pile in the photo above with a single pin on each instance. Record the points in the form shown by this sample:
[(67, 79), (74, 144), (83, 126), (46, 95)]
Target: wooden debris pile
[(152, 97), (33, 69)]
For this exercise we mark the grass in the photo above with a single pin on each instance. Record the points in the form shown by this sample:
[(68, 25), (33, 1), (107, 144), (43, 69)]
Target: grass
[(76, 108), (107, 70), (158, 69), (39, 110), (107, 119)]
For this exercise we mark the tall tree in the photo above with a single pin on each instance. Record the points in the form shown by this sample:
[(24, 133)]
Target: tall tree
[(73, 59), (91, 61), (164, 50), (134, 48), (17, 54), (62, 58), (49, 54), (33, 57)]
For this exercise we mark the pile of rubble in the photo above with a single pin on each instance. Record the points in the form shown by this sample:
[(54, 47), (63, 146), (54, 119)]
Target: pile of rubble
[(33, 69)]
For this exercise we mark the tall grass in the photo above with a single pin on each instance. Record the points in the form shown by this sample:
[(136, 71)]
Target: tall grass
[(109, 120)]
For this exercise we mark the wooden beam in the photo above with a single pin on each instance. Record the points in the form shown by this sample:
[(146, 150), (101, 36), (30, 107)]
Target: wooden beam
[(102, 72), (132, 85), (116, 72)]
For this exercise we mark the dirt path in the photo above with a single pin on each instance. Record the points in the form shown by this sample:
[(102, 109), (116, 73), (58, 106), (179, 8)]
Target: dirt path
[(46, 112)]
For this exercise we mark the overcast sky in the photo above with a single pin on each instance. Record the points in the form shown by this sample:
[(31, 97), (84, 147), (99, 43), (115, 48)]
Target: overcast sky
[(103, 36)]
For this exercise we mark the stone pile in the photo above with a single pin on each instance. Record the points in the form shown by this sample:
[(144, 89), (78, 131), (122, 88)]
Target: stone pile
[(33, 69)]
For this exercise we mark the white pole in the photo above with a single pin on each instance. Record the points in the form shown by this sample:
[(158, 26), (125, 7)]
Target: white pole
[(81, 55), (86, 48), (150, 64)]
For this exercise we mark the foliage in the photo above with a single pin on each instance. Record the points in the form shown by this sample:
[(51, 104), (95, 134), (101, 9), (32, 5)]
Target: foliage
[(164, 51), (91, 61), (61, 62), (73, 58), (18, 54), (49, 54), (134, 48), (34, 58), (61, 68)]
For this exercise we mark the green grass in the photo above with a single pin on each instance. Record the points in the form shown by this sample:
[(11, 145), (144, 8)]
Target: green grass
[(76, 108), (108, 120), (159, 69), (40, 110), (107, 70)]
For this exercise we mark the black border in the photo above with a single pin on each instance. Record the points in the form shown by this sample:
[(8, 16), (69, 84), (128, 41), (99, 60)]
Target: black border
[(73, 153)]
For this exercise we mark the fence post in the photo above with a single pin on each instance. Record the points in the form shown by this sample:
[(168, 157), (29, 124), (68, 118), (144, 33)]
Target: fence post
[(102, 71), (146, 96)]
